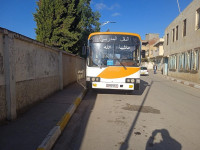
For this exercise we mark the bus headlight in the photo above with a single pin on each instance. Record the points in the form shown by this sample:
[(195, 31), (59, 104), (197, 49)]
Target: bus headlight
[(130, 80), (95, 79)]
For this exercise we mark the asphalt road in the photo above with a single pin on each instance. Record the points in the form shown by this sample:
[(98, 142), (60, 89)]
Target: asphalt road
[(163, 115)]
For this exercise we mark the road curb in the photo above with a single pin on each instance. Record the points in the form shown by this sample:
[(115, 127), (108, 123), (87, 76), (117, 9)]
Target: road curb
[(56, 131), (188, 83)]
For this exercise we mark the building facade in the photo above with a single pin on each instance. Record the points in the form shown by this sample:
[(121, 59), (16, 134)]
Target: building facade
[(182, 44), (158, 53), (145, 52), (152, 38), (148, 44)]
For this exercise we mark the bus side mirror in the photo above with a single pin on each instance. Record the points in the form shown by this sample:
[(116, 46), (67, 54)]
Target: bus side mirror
[(84, 50)]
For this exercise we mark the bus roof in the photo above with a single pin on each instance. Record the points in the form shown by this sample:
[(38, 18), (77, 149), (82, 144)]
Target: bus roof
[(121, 33)]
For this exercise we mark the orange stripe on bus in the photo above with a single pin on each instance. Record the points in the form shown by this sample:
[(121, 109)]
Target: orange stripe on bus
[(117, 72), (109, 33)]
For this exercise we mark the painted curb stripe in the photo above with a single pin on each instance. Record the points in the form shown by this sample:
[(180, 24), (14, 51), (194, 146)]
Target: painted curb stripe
[(63, 122), (77, 101), (72, 109), (53, 135), (50, 138)]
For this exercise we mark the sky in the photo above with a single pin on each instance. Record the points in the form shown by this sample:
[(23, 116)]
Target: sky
[(135, 16)]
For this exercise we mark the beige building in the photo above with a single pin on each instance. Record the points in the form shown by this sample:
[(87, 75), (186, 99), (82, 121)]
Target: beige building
[(158, 53), (182, 44), (145, 49), (148, 44), (152, 38)]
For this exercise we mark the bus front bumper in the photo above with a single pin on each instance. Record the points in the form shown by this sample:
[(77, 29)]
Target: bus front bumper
[(113, 85)]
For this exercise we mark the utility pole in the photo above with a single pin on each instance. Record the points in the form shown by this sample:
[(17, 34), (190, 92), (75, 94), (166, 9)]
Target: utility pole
[(178, 7)]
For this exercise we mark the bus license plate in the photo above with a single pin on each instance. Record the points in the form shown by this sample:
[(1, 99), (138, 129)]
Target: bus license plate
[(112, 85)]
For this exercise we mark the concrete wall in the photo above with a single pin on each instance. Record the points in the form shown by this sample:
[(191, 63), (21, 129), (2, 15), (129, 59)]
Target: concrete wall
[(2, 81), (36, 72), (71, 66), (31, 71), (149, 65)]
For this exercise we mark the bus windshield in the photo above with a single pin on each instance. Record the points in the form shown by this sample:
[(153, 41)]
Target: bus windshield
[(114, 50)]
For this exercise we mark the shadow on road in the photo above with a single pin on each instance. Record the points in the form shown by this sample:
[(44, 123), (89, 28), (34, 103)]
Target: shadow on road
[(72, 137), (125, 144), (166, 142)]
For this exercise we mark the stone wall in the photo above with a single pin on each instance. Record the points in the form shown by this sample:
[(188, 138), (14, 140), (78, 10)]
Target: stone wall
[(31, 71)]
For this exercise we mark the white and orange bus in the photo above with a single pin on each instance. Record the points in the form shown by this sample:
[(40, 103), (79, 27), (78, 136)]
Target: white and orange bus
[(113, 61)]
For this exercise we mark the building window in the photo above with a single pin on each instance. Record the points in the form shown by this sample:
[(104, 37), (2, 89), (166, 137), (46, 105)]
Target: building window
[(195, 60), (184, 27), (167, 38), (147, 53), (176, 33), (173, 34), (188, 60), (198, 19), (172, 62), (181, 63)]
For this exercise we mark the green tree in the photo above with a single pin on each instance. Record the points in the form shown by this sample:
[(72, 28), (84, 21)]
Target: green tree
[(65, 24), (86, 22), (44, 20), (65, 13)]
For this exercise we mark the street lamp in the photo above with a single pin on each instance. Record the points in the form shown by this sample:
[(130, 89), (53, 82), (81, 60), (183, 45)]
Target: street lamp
[(107, 22)]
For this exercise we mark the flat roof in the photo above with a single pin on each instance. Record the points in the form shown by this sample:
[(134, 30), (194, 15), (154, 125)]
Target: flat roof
[(161, 41)]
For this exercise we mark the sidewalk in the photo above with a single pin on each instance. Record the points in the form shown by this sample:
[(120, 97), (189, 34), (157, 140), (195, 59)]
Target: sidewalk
[(188, 83), (30, 129)]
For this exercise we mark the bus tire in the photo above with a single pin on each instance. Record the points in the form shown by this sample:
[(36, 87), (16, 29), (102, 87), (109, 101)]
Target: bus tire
[(137, 87), (88, 85)]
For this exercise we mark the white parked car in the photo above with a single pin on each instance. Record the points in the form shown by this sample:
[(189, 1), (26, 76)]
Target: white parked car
[(144, 71)]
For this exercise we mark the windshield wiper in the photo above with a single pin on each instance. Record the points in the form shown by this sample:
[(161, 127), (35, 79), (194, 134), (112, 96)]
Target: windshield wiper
[(120, 62)]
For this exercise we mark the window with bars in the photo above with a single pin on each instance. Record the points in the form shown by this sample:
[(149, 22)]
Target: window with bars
[(172, 62), (195, 60), (181, 62), (187, 60)]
